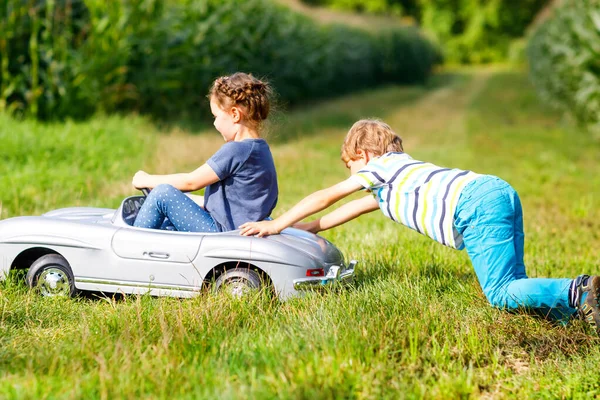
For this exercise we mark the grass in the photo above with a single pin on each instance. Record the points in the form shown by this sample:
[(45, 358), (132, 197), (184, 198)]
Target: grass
[(415, 324), (49, 165)]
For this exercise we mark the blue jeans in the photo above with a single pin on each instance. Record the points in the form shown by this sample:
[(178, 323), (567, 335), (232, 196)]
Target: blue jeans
[(167, 207), (490, 218)]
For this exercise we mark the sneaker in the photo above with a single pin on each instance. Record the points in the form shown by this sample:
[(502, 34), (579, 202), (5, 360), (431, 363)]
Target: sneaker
[(589, 310)]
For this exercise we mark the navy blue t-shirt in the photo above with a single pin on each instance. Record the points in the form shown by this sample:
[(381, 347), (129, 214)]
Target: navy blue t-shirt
[(247, 190)]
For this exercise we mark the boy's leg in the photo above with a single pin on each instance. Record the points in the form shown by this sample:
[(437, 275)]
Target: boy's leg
[(519, 236), (165, 201), (491, 225), (525, 287)]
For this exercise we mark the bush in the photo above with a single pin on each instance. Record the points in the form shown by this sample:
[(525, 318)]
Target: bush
[(478, 31), (74, 57), (470, 31), (564, 59)]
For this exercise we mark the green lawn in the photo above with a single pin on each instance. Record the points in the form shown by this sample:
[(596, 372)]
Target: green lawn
[(415, 324)]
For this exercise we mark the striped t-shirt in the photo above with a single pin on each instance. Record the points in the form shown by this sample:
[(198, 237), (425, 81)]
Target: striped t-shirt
[(417, 194)]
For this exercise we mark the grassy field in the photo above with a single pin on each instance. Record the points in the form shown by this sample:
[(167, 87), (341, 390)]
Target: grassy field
[(414, 325)]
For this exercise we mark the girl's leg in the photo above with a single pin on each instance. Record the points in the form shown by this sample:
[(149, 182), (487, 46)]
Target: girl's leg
[(491, 223), (165, 201)]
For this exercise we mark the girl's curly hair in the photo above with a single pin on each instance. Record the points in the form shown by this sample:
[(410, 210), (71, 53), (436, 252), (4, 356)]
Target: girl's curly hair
[(245, 91)]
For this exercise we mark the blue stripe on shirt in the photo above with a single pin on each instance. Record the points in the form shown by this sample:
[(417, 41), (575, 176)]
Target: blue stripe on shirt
[(444, 208)]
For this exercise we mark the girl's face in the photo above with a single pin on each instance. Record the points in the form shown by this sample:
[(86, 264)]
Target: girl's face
[(226, 122)]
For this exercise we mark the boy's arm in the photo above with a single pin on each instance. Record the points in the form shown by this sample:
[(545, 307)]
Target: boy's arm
[(345, 213), (309, 205)]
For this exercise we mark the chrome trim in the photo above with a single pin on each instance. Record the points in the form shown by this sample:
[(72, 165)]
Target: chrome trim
[(162, 256), (335, 275), (139, 285)]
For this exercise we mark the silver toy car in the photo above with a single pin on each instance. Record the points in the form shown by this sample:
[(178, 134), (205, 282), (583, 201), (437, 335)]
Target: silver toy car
[(98, 249)]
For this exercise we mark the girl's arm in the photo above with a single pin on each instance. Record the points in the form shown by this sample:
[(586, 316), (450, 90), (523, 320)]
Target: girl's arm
[(309, 205), (345, 213), (189, 182)]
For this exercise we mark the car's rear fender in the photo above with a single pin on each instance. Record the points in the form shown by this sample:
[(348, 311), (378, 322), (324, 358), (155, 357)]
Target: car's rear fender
[(23, 239), (21, 257)]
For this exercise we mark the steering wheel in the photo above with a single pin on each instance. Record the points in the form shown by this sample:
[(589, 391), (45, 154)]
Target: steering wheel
[(145, 191)]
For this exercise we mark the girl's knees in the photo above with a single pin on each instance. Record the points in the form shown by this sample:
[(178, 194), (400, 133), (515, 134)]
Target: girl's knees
[(163, 188), (160, 195)]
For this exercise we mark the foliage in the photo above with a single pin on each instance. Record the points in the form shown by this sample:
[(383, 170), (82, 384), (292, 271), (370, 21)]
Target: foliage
[(564, 59), (478, 31), (415, 323), (469, 31), (63, 58), (67, 57)]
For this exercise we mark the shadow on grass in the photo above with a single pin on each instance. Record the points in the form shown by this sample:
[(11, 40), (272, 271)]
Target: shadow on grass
[(288, 124), (15, 283), (542, 337)]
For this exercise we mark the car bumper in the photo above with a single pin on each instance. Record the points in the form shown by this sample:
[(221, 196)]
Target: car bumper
[(335, 275)]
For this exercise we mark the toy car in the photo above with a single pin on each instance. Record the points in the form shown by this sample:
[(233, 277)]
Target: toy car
[(98, 249)]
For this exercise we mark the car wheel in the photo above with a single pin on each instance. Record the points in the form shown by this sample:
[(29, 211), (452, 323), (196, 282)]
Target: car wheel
[(238, 282), (52, 276)]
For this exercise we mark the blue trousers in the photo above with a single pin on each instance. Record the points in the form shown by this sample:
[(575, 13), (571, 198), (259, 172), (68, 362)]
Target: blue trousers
[(490, 218), (167, 207)]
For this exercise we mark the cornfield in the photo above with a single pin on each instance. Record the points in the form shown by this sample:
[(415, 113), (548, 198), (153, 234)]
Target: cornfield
[(72, 58)]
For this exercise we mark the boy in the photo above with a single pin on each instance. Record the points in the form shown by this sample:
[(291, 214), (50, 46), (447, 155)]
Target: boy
[(460, 209)]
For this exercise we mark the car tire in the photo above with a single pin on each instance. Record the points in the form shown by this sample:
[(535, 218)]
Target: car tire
[(52, 276), (238, 282)]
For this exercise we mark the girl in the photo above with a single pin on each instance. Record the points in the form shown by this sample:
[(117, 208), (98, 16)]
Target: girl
[(240, 178)]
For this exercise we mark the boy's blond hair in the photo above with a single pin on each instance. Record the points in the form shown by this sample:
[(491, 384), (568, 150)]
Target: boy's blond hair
[(370, 135)]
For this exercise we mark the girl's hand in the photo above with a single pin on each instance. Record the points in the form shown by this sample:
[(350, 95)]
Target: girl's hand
[(312, 226), (260, 229), (140, 180)]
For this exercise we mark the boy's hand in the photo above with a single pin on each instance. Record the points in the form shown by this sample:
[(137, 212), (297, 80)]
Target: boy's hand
[(260, 229)]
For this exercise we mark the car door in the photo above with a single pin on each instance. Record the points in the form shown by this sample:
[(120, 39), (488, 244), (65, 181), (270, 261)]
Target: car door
[(156, 257)]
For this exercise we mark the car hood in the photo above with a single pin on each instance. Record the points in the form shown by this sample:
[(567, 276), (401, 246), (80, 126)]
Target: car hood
[(314, 245)]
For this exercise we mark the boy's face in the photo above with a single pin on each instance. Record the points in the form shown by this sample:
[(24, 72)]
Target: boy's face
[(362, 159), (355, 165)]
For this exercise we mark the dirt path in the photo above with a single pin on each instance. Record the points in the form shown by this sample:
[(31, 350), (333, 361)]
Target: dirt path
[(327, 16), (439, 118)]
